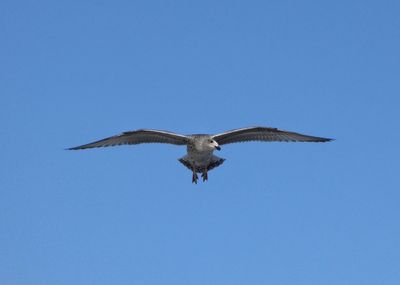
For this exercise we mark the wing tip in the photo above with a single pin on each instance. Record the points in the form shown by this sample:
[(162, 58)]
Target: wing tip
[(73, 148), (313, 139), (84, 147)]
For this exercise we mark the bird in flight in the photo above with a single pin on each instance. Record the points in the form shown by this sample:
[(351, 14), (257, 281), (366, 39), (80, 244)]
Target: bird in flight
[(200, 147)]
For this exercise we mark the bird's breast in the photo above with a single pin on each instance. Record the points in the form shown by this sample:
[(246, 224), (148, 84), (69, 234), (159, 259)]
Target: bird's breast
[(199, 156)]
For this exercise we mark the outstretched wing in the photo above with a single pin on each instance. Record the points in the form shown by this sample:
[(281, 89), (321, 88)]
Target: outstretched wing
[(263, 134), (138, 137)]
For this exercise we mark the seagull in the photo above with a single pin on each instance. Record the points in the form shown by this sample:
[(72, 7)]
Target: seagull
[(200, 147)]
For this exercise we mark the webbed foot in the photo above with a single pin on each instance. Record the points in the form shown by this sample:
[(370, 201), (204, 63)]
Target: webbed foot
[(194, 178), (205, 176)]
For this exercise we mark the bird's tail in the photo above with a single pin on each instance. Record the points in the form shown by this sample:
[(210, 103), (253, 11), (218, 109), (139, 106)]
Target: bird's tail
[(214, 162)]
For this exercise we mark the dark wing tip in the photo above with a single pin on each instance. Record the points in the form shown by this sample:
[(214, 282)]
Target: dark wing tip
[(82, 147), (73, 148), (318, 140)]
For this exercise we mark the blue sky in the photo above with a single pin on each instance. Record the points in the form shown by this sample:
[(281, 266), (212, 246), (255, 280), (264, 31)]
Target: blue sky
[(77, 71)]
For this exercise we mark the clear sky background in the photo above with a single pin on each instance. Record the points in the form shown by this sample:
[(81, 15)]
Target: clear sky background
[(275, 213)]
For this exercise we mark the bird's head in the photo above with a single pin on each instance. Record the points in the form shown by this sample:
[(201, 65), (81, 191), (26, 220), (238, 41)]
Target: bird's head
[(212, 144)]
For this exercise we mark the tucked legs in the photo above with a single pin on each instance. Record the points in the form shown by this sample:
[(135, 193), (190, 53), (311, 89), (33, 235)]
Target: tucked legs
[(194, 176), (205, 175)]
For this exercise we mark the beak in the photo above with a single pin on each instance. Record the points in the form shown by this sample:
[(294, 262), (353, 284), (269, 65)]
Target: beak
[(218, 147)]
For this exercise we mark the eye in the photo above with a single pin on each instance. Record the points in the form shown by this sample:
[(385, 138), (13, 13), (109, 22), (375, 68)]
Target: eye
[(211, 141)]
